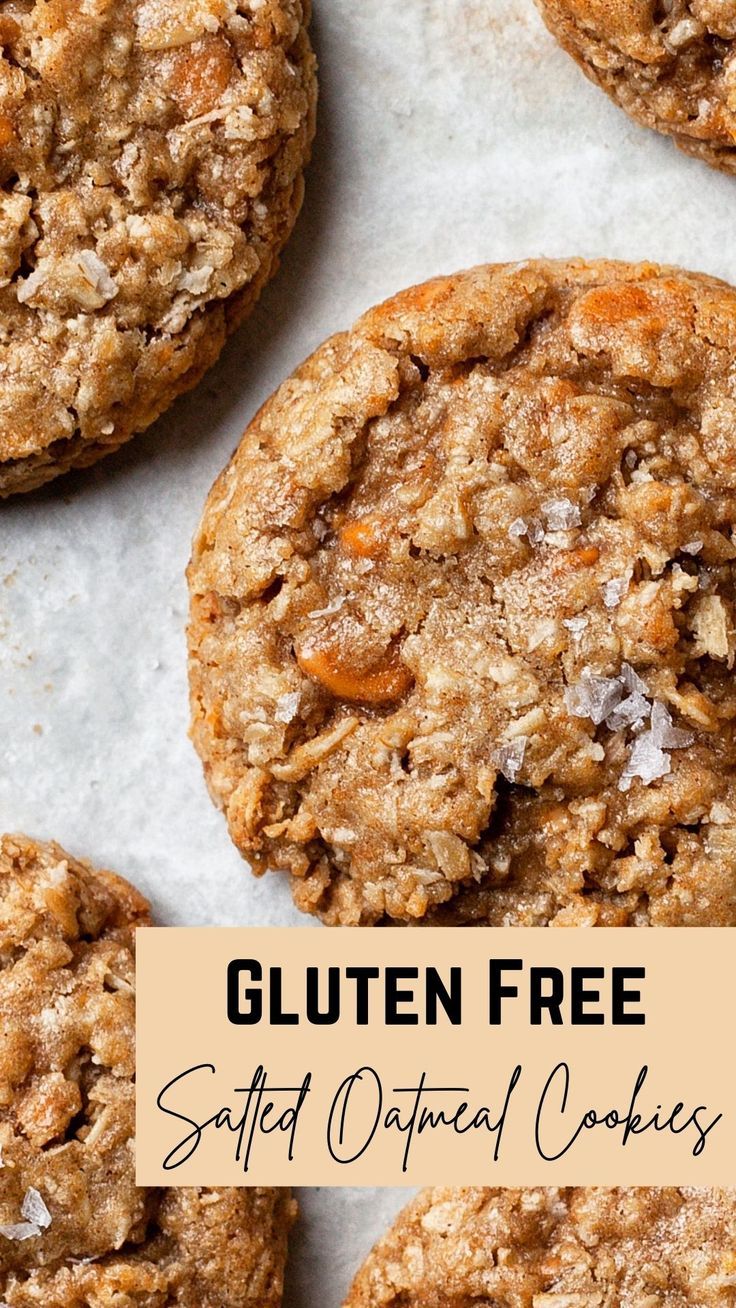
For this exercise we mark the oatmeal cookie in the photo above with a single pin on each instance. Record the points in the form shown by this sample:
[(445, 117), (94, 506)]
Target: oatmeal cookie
[(75, 1231), (552, 1248), (670, 65), (462, 628), (151, 158)]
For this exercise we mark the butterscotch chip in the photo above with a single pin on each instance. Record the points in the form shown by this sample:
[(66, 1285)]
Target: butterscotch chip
[(463, 629), (151, 159), (554, 1248), (74, 1228), (671, 66)]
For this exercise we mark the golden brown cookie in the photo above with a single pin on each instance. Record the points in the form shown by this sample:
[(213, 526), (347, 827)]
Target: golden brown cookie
[(671, 65), (462, 629), (75, 1231), (551, 1248), (151, 157)]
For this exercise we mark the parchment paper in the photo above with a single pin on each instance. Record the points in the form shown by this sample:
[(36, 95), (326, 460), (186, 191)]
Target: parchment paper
[(451, 132)]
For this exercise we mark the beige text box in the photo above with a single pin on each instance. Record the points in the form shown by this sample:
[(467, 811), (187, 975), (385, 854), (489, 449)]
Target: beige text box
[(360, 1101)]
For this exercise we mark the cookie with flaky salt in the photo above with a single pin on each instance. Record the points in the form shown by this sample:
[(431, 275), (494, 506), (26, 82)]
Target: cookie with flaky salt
[(463, 629), (74, 1227)]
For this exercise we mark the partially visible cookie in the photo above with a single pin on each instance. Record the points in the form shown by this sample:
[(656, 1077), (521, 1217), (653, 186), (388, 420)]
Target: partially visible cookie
[(671, 66), (553, 1248), (463, 621), (74, 1229), (151, 158)]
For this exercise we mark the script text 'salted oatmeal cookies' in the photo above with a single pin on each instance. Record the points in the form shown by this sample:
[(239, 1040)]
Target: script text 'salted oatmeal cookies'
[(74, 1228), (551, 1248), (462, 632), (151, 157), (671, 65)]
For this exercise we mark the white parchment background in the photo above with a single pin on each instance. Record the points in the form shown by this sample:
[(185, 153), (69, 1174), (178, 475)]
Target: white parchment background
[(451, 132)]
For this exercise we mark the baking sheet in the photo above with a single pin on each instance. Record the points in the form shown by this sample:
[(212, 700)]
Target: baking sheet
[(451, 132)]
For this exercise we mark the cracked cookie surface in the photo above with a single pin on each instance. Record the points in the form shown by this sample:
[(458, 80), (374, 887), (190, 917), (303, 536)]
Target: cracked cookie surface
[(75, 1230), (462, 628), (671, 65), (555, 1248), (151, 158)]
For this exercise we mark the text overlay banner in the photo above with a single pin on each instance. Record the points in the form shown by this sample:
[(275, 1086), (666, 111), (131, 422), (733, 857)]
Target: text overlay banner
[(448, 1056)]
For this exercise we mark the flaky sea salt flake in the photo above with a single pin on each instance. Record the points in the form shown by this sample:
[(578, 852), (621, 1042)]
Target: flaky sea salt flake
[(593, 697), (20, 1231), (530, 527), (632, 681), (646, 761), (614, 590), (561, 514), (663, 732), (631, 712), (510, 757), (34, 1209)]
